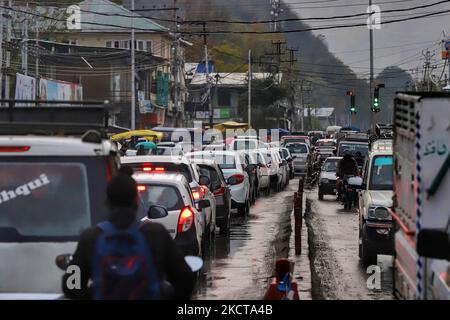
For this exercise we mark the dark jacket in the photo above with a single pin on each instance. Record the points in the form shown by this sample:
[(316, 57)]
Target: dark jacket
[(347, 166), (168, 259)]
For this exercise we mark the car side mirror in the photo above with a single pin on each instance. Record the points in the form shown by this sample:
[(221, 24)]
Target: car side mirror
[(63, 261), (157, 212), (433, 243), (204, 180), (202, 204)]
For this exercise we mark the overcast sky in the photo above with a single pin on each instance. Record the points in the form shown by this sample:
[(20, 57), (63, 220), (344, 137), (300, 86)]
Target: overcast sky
[(406, 39)]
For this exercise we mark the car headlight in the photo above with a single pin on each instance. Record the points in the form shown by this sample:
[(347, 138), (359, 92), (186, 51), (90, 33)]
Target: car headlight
[(379, 213), (324, 181)]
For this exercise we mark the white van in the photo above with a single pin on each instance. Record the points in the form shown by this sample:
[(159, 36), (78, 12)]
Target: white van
[(51, 188)]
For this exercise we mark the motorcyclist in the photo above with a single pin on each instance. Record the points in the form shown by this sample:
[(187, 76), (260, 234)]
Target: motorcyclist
[(168, 261), (346, 166)]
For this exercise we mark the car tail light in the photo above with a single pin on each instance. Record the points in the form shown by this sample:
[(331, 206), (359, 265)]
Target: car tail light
[(153, 169), (108, 170), (199, 193), (141, 188), (219, 191), (239, 178), (185, 220), (14, 148)]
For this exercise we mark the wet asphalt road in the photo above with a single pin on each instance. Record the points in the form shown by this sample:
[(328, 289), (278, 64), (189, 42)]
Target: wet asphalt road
[(333, 244), (239, 266)]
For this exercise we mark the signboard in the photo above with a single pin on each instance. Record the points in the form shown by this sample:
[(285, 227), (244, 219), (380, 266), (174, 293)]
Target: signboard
[(145, 106), (51, 90), (25, 88), (446, 48), (220, 113)]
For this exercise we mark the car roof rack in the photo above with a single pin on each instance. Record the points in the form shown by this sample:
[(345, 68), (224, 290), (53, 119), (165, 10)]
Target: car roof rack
[(24, 117)]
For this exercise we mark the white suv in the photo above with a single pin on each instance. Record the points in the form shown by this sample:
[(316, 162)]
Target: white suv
[(376, 234)]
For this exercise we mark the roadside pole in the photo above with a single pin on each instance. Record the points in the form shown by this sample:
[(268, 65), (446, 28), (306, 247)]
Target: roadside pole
[(1, 50), (8, 52), (133, 74), (249, 88)]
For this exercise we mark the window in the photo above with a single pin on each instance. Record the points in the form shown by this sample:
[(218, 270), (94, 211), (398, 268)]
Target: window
[(38, 199), (140, 45), (381, 173), (330, 166), (149, 46), (117, 44), (109, 44), (297, 148), (166, 196)]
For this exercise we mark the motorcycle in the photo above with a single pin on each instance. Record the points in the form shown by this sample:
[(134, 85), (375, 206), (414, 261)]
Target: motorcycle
[(350, 194)]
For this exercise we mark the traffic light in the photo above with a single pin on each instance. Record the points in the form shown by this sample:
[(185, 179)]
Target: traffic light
[(376, 98), (352, 101)]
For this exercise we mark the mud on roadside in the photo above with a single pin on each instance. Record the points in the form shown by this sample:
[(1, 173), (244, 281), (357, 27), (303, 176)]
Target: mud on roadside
[(324, 284)]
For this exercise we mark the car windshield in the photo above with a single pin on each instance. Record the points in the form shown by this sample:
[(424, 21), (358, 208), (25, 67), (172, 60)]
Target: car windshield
[(381, 173), (291, 140), (224, 161), (245, 144), (43, 200), (161, 195), (354, 148), (330, 165), (297, 148), (325, 144)]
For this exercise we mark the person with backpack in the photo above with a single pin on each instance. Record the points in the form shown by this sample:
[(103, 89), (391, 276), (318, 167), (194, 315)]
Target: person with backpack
[(126, 259)]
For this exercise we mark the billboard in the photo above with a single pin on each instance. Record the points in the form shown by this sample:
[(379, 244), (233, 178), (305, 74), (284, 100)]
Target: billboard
[(52, 90), (25, 88)]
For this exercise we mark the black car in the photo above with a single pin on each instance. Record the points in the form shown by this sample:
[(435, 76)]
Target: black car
[(220, 189)]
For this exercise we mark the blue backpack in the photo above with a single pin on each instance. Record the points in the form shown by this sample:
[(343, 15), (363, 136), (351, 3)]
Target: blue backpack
[(123, 267)]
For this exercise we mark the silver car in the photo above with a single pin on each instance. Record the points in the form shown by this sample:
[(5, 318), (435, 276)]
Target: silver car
[(300, 153)]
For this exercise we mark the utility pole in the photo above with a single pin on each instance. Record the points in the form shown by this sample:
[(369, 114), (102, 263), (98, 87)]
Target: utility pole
[(8, 53), (25, 43), (175, 67), (211, 112), (1, 50), (374, 120), (428, 69), (37, 51), (133, 74), (274, 12), (249, 88)]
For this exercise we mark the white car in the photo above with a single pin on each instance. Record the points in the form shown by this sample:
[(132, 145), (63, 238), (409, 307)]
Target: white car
[(246, 144), (183, 220), (182, 165), (54, 187), (232, 165), (273, 161), (376, 230), (300, 152), (263, 170)]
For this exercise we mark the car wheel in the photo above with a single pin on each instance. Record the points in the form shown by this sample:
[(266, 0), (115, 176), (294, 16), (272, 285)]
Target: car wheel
[(320, 195), (368, 256), (241, 209), (224, 228)]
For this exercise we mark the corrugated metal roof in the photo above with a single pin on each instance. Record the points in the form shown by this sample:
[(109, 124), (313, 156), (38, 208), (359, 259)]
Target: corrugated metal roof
[(116, 19)]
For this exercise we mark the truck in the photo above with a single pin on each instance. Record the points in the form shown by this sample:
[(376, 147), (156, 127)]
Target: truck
[(421, 203)]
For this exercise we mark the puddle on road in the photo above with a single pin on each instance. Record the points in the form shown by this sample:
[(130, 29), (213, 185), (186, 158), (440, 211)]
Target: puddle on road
[(235, 267)]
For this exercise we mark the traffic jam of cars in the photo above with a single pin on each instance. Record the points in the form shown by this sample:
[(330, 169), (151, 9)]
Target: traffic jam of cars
[(215, 195)]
